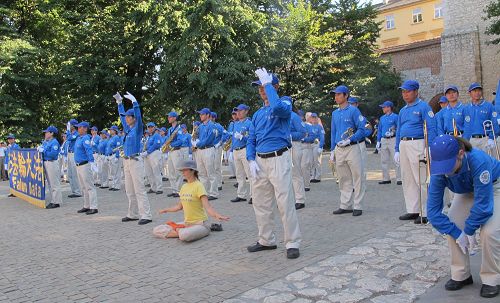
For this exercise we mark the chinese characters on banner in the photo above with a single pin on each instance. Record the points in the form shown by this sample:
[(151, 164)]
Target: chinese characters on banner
[(26, 176)]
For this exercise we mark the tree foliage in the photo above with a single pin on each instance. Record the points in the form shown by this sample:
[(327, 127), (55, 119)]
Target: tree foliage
[(493, 14)]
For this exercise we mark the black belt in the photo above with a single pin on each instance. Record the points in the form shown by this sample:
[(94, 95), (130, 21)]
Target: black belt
[(308, 142), (410, 138), (133, 157), (49, 160), (175, 148), (240, 148), (205, 147), (353, 143), (101, 154), (389, 137), (478, 136), (458, 132), (274, 153), (82, 163)]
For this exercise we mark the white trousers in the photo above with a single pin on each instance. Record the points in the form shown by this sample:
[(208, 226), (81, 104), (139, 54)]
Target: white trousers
[(387, 150), (297, 175), (218, 165), (490, 240), (205, 162), (164, 165), (103, 165), (230, 161), (72, 175), (87, 185), (480, 143), (175, 160), (350, 169), (52, 173), (188, 234), (95, 175), (316, 168), (138, 203), (411, 152), (242, 173), (115, 165), (153, 170), (307, 163), (274, 185)]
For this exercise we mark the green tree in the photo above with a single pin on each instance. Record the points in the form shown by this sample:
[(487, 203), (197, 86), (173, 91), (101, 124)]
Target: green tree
[(493, 15)]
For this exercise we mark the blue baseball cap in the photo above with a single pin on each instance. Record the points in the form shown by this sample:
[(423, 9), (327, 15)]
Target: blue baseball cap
[(83, 124), (444, 151), (473, 86), (51, 129), (163, 129), (73, 122), (10, 136), (410, 85), (242, 107), (213, 115), (183, 126), (341, 89), (452, 87), (129, 112), (94, 128), (273, 82), (204, 111), (104, 132), (173, 114), (314, 115), (387, 104), (443, 99), (114, 127), (151, 124), (196, 123), (352, 100)]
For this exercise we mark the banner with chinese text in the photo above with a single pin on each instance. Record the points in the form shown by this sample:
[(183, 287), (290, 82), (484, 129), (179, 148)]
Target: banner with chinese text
[(26, 176)]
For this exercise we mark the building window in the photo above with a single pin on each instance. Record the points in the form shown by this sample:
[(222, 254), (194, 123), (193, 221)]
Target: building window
[(417, 15), (389, 22), (438, 11)]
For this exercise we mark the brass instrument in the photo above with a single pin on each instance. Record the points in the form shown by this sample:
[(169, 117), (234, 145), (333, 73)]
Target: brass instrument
[(195, 133), (347, 134), (488, 128), (119, 148), (426, 160), (166, 146), (455, 130), (227, 144), (391, 132)]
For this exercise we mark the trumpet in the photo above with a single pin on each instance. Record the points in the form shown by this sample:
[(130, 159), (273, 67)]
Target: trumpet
[(166, 147), (488, 128), (227, 144), (119, 148)]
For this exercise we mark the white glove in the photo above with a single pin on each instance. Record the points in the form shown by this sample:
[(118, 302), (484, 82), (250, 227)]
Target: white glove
[(218, 144), (344, 142), (40, 149), (231, 156), (396, 158), (144, 154), (264, 76), (332, 157), (491, 144), (254, 168), (473, 244), (118, 98), (6, 167), (320, 150), (130, 97), (68, 126), (195, 142), (378, 146), (238, 135), (463, 243), (93, 167), (190, 157)]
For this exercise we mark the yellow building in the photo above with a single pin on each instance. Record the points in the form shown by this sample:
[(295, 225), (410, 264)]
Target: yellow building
[(408, 21)]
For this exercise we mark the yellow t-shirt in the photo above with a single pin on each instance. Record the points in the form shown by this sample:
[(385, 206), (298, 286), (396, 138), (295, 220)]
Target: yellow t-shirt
[(190, 196)]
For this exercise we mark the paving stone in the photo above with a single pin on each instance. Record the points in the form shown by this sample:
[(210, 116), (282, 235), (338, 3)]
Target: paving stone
[(430, 275), (399, 271), (298, 276), (330, 283), (341, 260), (398, 298), (312, 292), (415, 287), (280, 298), (361, 250), (257, 294), (350, 296), (374, 284)]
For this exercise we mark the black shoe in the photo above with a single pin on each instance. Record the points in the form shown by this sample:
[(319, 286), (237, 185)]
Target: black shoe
[(175, 195), (144, 221), (97, 184), (74, 196), (52, 206), (385, 182), (238, 199), (292, 253), (148, 185), (408, 217), (342, 211), (159, 192), (103, 187), (219, 188), (171, 195), (299, 205), (216, 227), (83, 210), (250, 201), (232, 177), (456, 285), (418, 221), (488, 291), (151, 191), (235, 185), (399, 183), (92, 211), (210, 198), (127, 219), (259, 247), (307, 189), (357, 212), (114, 189), (164, 179), (315, 181)]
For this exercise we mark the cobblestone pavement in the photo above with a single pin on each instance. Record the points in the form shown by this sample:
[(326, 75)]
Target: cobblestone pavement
[(60, 256)]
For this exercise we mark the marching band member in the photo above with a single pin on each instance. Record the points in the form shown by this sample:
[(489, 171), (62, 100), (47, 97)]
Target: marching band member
[(469, 173), (354, 101), (85, 166), (319, 132), (133, 165), (240, 131), (410, 141), (386, 140), (177, 155), (269, 160), (297, 132), (205, 153), (194, 136), (230, 153), (152, 156), (63, 159), (103, 163), (452, 118), (307, 152), (218, 149), (114, 159), (94, 142), (71, 135), (50, 152), (478, 111), (348, 131), (187, 141)]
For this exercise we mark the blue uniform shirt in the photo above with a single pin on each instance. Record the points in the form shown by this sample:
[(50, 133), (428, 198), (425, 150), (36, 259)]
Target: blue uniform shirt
[(187, 142), (476, 176), (319, 133), (71, 139), (343, 119), (242, 127), (475, 115), (411, 122), (101, 148), (448, 114), (177, 142), (83, 149), (310, 135), (50, 149), (133, 135), (229, 133), (270, 129), (95, 143), (113, 142), (220, 133), (206, 134), (298, 129), (63, 150), (388, 123), (154, 143)]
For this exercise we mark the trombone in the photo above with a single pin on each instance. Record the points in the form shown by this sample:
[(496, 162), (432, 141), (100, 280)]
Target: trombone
[(488, 128)]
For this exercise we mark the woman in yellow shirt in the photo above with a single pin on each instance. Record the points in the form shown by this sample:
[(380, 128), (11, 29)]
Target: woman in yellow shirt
[(194, 202)]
